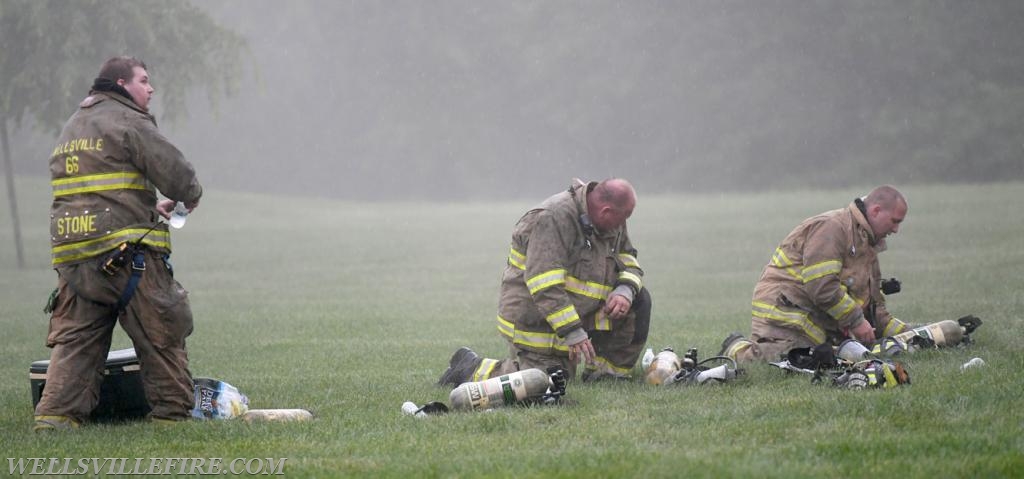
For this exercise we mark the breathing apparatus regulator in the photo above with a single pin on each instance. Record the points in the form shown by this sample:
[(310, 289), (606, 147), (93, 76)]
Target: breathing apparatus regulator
[(529, 387), (667, 368)]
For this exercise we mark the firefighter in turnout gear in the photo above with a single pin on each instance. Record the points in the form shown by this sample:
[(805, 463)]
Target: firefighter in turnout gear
[(823, 283), (572, 290), (111, 252)]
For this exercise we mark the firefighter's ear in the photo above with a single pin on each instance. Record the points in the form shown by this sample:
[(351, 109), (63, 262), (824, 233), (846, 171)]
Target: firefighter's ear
[(874, 210)]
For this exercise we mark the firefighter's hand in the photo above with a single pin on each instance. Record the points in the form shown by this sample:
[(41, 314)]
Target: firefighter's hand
[(165, 208), (582, 350), (864, 332), (617, 306)]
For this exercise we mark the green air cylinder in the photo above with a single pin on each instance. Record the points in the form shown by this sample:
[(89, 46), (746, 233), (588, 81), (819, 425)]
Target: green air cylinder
[(944, 333), (500, 391), (666, 364)]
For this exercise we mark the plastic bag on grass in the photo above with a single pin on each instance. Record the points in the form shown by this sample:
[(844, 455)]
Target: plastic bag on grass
[(216, 399)]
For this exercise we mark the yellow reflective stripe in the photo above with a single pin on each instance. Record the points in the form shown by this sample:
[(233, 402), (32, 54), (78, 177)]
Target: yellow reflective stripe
[(546, 280), (629, 260), (843, 308), (100, 182), (797, 318), (516, 258), (93, 247), (484, 370), (607, 366), (824, 268), (587, 288), (631, 278), (539, 340), (505, 327), (736, 347), (780, 260), (562, 317), (602, 322), (894, 327), (890, 378)]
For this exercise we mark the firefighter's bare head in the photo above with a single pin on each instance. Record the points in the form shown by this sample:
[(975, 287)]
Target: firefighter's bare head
[(129, 73), (886, 208), (611, 203)]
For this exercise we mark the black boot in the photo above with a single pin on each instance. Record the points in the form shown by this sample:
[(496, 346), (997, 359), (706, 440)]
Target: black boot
[(460, 367)]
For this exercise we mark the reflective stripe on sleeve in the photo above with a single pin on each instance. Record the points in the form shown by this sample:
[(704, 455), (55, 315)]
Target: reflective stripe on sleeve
[(516, 258), (894, 327), (843, 308), (101, 182), (780, 260), (629, 260), (505, 327), (587, 288), (562, 317), (818, 270), (631, 278), (546, 280)]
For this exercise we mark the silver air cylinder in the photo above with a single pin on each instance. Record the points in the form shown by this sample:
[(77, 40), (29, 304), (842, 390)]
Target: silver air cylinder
[(500, 391), (944, 333), (852, 350), (255, 415), (666, 364)]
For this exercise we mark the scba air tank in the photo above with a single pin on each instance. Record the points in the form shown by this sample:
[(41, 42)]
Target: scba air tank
[(501, 391), (666, 364), (944, 333), (257, 415)]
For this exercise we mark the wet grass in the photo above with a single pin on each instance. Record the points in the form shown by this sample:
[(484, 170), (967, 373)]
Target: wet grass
[(349, 309)]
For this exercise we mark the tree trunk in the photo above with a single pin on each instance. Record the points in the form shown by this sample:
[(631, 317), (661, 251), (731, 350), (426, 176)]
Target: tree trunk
[(11, 196)]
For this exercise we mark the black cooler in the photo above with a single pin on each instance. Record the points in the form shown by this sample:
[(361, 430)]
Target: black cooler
[(121, 393)]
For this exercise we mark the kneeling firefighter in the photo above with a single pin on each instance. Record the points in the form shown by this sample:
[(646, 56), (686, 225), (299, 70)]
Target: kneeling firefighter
[(572, 290), (823, 283)]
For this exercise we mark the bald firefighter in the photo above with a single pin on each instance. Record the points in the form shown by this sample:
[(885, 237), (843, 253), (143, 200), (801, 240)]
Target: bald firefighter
[(572, 290), (823, 284), (110, 251)]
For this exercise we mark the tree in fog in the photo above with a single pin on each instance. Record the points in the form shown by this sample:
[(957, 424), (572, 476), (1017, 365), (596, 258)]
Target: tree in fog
[(53, 49)]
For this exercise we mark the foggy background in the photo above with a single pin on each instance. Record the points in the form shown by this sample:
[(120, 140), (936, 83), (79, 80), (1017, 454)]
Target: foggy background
[(459, 100)]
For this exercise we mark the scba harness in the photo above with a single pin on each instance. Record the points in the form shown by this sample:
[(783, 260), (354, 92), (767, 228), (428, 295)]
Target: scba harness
[(125, 253), (826, 368), (117, 260)]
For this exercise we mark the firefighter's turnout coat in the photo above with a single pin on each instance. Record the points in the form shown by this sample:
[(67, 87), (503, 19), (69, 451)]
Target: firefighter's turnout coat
[(823, 280), (104, 170), (560, 272)]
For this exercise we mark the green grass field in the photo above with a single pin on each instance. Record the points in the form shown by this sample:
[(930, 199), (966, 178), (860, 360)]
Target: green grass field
[(349, 309)]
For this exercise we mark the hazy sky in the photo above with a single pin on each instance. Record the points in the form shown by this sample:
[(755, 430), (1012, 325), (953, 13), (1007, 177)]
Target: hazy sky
[(464, 99)]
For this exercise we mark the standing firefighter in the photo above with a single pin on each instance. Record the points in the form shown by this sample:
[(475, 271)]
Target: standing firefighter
[(111, 251), (572, 290), (822, 285)]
